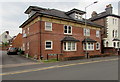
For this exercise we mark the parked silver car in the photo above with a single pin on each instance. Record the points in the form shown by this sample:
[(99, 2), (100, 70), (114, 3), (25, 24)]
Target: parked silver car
[(12, 51)]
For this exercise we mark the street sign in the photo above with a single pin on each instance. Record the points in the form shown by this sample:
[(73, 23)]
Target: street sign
[(52, 55)]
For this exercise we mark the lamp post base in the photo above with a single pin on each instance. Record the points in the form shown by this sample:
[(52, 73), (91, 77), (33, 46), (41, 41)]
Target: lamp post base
[(87, 55)]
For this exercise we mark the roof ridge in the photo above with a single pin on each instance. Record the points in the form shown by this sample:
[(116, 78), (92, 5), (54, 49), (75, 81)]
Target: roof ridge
[(58, 10)]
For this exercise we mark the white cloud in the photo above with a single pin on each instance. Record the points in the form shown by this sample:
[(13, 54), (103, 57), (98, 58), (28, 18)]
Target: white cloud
[(57, 0), (13, 11)]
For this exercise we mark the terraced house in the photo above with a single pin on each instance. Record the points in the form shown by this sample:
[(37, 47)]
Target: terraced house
[(111, 22), (111, 32), (51, 31)]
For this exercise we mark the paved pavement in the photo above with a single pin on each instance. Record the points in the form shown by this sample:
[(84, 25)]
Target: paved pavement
[(0, 57), (105, 68), (13, 59)]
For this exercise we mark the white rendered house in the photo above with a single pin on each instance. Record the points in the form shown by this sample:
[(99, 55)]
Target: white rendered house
[(5, 37), (111, 22), (113, 32)]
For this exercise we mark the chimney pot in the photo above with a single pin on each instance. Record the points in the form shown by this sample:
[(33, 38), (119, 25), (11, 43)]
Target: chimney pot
[(94, 13), (7, 32), (109, 9)]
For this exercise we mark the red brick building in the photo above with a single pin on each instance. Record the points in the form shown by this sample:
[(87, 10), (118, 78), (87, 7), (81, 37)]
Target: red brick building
[(51, 31), (17, 41)]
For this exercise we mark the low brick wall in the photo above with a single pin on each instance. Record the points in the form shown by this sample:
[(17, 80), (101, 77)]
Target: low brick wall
[(111, 51)]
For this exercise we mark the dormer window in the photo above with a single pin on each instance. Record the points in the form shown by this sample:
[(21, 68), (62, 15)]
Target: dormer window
[(78, 16), (75, 14)]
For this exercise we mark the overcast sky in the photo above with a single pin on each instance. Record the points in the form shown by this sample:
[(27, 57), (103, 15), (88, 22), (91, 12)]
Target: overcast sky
[(12, 12)]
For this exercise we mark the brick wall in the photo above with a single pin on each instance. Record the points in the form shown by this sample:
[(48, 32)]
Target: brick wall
[(33, 38), (56, 35), (17, 42), (111, 51), (102, 22)]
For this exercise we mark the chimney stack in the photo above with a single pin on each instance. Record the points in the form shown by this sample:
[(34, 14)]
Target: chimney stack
[(94, 13), (109, 9), (7, 32)]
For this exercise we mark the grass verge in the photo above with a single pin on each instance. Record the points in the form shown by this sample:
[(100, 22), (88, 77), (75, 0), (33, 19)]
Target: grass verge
[(50, 60)]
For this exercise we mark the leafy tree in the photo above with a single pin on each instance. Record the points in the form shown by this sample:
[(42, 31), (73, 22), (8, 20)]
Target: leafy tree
[(5, 44)]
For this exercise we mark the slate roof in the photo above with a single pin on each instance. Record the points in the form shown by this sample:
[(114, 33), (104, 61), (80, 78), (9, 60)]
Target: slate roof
[(75, 10), (34, 8), (103, 15), (56, 13), (69, 38), (88, 40)]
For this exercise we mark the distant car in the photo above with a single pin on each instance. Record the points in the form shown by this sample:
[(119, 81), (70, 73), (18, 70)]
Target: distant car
[(12, 51)]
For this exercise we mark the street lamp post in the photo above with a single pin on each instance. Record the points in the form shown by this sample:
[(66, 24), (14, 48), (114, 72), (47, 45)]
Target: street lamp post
[(86, 53)]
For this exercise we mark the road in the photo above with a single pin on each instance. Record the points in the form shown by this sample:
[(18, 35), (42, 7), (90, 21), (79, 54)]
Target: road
[(105, 68)]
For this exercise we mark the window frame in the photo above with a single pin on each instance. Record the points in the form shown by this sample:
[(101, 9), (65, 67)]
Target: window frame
[(114, 44), (98, 46), (24, 33), (84, 46), (78, 16), (116, 33), (92, 46), (68, 29), (113, 33), (113, 21), (97, 33), (51, 45), (23, 46), (86, 31), (87, 46), (28, 45), (5, 36), (46, 26), (118, 44), (71, 46), (28, 29), (106, 43)]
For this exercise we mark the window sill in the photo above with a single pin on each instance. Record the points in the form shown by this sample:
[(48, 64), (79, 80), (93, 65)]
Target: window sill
[(48, 49), (67, 34), (70, 51), (97, 49), (86, 35), (88, 50), (97, 37), (47, 30)]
